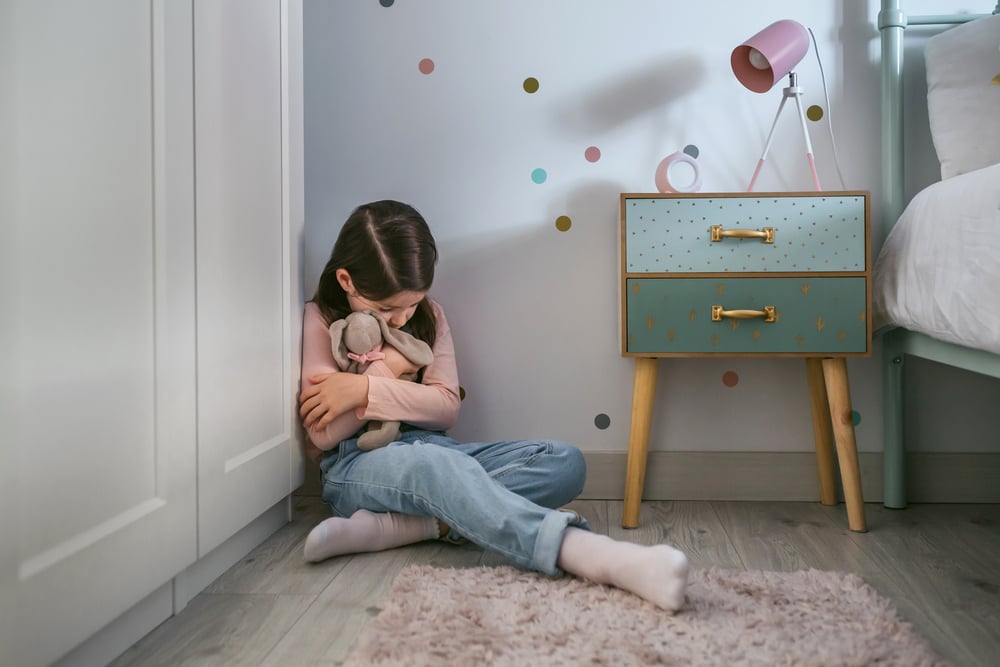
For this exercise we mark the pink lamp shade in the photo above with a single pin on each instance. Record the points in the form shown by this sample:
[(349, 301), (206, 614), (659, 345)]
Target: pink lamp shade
[(768, 56)]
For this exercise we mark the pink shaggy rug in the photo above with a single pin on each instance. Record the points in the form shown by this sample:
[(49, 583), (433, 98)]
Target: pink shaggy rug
[(504, 616)]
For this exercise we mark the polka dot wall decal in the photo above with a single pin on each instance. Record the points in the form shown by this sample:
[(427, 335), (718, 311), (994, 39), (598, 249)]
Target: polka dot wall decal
[(426, 66), (539, 176), (592, 154), (692, 150), (563, 223), (814, 112), (602, 421), (386, 3), (461, 393), (531, 85), (730, 379), (855, 417)]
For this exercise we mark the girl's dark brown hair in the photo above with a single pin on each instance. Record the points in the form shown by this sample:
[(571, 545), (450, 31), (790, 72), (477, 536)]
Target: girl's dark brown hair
[(387, 248)]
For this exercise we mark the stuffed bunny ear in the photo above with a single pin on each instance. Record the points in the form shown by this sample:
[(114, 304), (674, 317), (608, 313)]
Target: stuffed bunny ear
[(337, 342), (411, 347)]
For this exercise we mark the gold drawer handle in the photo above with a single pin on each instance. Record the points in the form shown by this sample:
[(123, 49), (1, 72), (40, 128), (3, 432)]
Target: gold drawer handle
[(766, 235), (767, 314)]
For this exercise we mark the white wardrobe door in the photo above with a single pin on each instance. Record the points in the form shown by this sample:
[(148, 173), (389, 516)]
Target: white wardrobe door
[(244, 425), (102, 353)]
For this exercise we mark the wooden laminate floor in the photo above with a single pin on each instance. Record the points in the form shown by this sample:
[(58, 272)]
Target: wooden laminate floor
[(940, 565)]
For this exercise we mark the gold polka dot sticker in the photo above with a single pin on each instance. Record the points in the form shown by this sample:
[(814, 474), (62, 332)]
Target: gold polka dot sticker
[(531, 85), (814, 113), (563, 223)]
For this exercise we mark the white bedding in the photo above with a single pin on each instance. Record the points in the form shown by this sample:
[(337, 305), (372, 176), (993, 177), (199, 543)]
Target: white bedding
[(939, 270)]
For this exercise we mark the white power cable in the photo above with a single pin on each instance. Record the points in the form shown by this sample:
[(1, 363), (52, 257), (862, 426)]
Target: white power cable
[(829, 110)]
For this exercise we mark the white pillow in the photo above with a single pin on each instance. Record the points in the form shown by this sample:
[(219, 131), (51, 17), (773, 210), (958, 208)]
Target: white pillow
[(963, 104)]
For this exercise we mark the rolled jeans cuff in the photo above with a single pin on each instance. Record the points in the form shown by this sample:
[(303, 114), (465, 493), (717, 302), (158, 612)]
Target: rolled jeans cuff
[(550, 537)]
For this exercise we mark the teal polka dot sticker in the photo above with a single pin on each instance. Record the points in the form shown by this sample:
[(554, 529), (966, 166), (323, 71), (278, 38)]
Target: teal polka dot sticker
[(855, 417), (539, 176)]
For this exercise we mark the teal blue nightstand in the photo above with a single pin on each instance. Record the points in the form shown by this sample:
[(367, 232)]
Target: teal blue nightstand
[(758, 274)]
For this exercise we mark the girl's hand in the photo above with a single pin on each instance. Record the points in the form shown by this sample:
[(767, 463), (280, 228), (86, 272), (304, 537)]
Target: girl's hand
[(330, 395), (397, 363)]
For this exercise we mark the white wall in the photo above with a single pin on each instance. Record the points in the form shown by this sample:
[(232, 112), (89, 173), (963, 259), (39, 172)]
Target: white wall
[(534, 308)]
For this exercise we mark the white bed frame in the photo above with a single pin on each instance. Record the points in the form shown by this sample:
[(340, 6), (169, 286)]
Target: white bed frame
[(900, 343)]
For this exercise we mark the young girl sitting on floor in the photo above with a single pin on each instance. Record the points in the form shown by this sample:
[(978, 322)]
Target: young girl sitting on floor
[(503, 496)]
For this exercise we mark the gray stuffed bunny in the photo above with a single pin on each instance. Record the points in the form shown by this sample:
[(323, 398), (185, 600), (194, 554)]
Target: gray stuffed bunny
[(357, 341)]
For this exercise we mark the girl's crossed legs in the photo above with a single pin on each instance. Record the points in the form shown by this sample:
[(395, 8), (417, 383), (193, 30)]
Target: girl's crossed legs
[(501, 496), (494, 494)]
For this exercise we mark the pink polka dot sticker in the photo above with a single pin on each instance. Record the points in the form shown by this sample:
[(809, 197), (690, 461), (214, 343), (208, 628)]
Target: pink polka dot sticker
[(426, 66), (730, 379), (592, 154)]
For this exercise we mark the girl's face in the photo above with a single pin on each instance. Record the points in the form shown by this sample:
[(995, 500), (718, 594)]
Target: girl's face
[(396, 310)]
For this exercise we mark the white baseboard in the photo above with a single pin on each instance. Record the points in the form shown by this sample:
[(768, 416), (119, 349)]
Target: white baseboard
[(207, 569), (116, 637), (789, 476), (784, 476)]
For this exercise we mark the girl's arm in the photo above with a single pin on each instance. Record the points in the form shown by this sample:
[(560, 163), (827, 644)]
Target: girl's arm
[(317, 362), (433, 404)]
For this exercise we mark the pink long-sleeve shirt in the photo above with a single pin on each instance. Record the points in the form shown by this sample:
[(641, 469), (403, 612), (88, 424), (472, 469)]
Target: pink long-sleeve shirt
[(432, 404)]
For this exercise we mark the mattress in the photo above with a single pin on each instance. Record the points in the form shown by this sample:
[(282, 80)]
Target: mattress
[(938, 271)]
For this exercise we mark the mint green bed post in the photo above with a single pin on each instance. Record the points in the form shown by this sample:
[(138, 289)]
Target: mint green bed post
[(891, 23), (893, 448)]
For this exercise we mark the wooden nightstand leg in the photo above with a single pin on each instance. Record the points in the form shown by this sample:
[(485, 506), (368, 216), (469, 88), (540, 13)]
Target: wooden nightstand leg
[(835, 373), (822, 430), (643, 393)]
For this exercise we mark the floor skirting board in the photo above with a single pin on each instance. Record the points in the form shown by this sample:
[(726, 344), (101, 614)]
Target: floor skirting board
[(790, 476), (173, 596), (785, 476)]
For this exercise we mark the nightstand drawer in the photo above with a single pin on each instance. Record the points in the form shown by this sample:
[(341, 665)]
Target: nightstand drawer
[(812, 316), (755, 232)]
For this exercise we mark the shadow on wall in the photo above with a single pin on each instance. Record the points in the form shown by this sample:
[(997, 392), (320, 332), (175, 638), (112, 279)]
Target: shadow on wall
[(645, 96), (618, 100), (532, 300)]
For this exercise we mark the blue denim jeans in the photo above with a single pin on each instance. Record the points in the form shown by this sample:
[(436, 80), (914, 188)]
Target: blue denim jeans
[(500, 495)]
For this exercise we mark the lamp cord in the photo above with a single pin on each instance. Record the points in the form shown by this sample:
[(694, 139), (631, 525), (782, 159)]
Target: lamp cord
[(829, 110)]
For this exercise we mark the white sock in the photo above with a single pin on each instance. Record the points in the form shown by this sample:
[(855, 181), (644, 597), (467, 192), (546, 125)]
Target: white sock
[(656, 573), (367, 531)]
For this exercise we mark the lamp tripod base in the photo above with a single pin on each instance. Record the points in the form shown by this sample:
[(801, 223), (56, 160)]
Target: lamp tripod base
[(793, 91)]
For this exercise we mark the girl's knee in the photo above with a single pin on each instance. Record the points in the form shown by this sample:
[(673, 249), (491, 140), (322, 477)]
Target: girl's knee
[(572, 467), (577, 466), (572, 456)]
